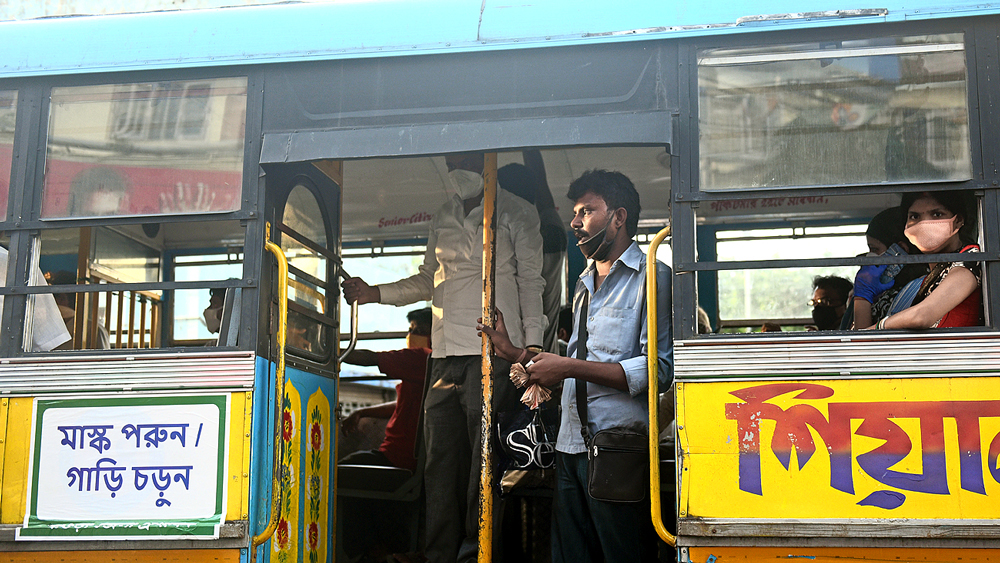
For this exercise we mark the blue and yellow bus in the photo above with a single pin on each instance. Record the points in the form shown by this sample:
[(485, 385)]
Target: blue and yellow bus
[(180, 189)]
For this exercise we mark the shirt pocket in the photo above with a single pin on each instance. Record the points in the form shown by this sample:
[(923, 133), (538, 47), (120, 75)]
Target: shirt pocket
[(611, 332)]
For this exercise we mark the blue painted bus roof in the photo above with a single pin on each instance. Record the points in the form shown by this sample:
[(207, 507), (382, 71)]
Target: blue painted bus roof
[(377, 28)]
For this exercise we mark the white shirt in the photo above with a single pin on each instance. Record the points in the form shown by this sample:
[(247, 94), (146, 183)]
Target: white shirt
[(47, 328), (452, 275)]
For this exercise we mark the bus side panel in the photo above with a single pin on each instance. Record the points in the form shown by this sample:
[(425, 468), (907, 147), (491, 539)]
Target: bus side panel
[(238, 491), (17, 440), (831, 555), (305, 520), (913, 450)]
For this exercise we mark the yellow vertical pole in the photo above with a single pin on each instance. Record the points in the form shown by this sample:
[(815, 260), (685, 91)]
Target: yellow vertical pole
[(652, 366), (489, 278)]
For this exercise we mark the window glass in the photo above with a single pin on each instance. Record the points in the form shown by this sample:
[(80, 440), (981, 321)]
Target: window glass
[(113, 318), (8, 117), (307, 287), (145, 148), (773, 295), (840, 112)]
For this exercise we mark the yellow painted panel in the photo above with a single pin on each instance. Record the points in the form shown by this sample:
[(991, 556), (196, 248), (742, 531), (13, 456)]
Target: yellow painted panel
[(820, 555), (3, 436), (122, 556), (248, 437), (239, 442), (316, 435), (15, 461), (865, 448), (285, 542)]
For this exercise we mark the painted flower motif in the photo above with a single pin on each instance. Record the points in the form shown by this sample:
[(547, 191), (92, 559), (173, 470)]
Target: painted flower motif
[(282, 535), (288, 425), (288, 476), (316, 437), (313, 536)]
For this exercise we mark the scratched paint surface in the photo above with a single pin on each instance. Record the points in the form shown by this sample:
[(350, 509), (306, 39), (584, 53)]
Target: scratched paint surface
[(820, 449)]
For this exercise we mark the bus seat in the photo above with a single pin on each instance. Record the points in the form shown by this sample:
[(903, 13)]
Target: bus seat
[(229, 328), (393, 484)]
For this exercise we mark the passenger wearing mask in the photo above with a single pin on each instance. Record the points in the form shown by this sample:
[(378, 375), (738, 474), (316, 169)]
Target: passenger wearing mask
[(609, 362), (872, 296), (829, 301), (950, 295), (452, 277)]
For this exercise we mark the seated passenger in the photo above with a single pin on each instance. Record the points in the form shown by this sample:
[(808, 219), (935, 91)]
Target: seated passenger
[(829, 301), (377, 528), (951, 294), (409, 366), (47, 328), (872, 297)]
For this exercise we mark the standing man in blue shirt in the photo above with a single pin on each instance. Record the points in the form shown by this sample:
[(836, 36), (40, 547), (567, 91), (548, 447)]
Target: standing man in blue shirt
[(605, 221)]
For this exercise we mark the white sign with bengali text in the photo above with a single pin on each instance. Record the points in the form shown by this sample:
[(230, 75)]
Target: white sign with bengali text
[(122, 468)]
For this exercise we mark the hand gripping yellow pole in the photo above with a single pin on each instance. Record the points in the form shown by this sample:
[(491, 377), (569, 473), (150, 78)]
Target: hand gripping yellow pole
[(652, 363), (279, 395), (486, 423)]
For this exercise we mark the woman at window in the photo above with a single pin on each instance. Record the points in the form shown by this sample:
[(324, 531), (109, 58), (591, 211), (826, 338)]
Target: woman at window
[(951, 294)]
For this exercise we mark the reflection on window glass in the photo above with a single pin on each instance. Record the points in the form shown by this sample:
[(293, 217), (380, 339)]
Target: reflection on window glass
[(145, 148), (302, 214), (866, 111), (8, 116), (307, 288)]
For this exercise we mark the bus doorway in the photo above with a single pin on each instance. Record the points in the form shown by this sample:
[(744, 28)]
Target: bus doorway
[(295, 501)]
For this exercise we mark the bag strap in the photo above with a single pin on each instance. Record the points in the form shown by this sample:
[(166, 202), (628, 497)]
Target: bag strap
[(581, 354)]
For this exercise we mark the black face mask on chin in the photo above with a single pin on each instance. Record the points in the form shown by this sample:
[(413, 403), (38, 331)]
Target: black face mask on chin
[(598, 246), (825, 317)]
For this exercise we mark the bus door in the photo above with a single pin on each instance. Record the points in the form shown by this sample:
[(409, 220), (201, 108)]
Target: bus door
[(302, 205)]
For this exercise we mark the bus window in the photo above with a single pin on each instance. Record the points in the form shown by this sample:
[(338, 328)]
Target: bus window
[(145, 148), (130, 263), (842, 112), (8, 117), (190, 324), (304, 242), (767, 253), (750, 298)]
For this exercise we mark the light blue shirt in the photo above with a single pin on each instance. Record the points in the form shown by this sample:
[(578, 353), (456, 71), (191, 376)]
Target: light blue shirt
[(616, 326)]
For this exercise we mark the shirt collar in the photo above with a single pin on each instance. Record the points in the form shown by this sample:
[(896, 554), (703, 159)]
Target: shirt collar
[(631, 258)]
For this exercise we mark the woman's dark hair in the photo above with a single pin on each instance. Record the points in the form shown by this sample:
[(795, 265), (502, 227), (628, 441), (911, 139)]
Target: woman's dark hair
[(959, 202)]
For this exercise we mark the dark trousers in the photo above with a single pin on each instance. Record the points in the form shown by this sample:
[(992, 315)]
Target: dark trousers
[(452, 417), (586, 530)]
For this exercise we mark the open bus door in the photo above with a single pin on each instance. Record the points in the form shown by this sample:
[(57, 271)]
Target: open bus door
[(294, 512)]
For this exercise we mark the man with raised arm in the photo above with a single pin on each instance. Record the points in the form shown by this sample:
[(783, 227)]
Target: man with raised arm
[(452, 277), (610, 300)]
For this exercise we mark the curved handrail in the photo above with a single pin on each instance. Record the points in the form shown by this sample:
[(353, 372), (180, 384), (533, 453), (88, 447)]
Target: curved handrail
[(354, 323), (652, 364), (279, 394)]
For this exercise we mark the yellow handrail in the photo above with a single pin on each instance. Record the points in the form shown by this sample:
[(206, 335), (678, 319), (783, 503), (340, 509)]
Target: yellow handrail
[(652, 364), (279, 394)]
